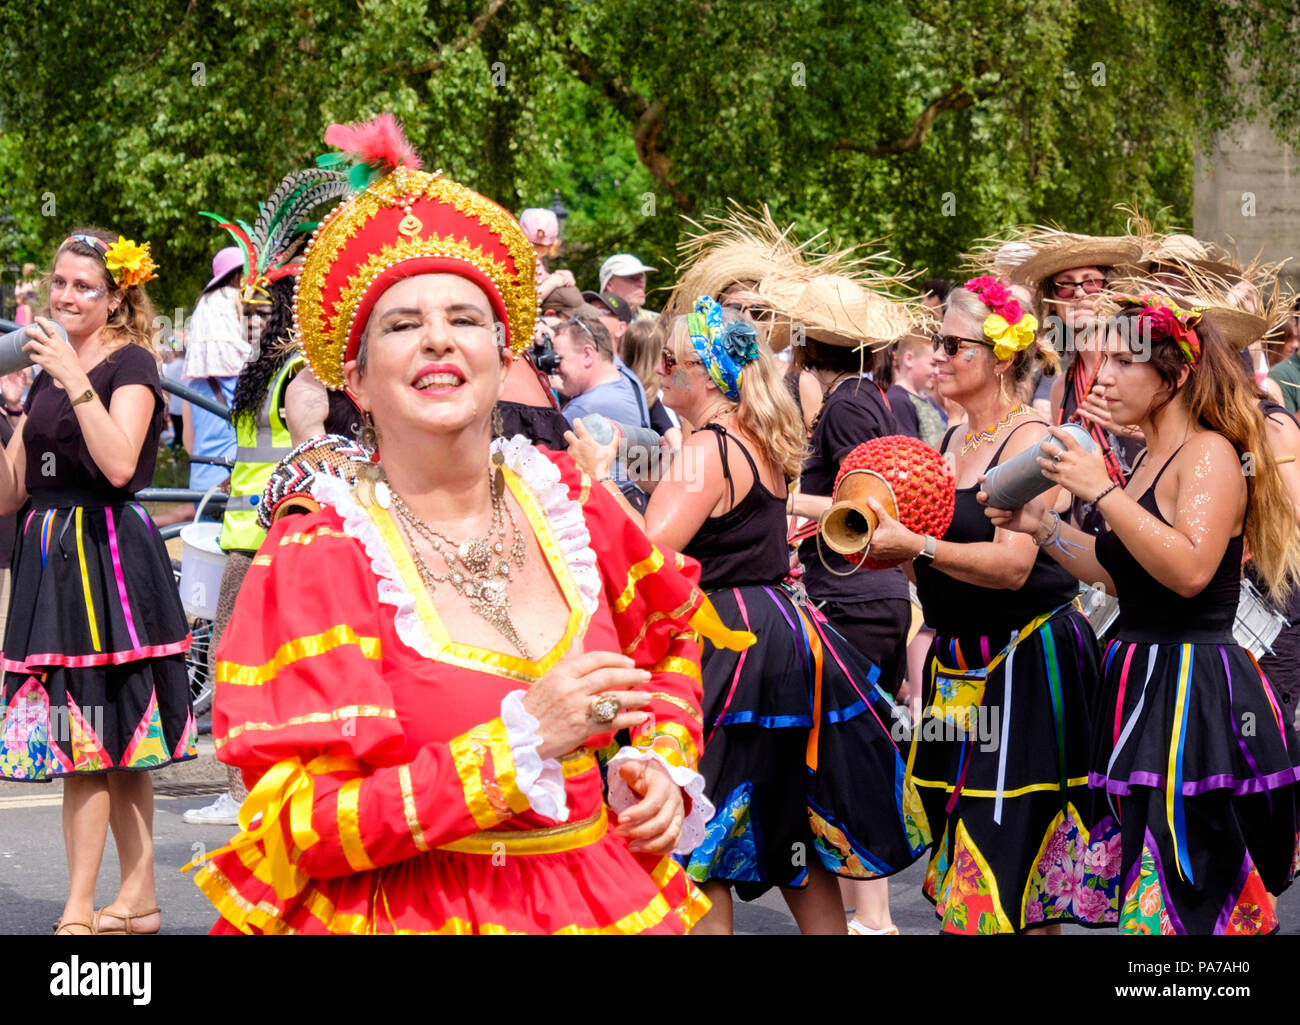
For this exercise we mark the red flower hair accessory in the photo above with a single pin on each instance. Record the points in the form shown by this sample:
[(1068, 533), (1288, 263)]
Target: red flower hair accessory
[(1166, 321), (1008, 326)]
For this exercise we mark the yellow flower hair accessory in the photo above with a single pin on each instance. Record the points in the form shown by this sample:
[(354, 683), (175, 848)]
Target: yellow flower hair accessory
[(1010, 327), (1009, 339), (130, 264)]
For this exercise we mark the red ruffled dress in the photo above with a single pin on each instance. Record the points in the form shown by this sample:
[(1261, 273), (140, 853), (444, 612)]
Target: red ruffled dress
[(376, 752)]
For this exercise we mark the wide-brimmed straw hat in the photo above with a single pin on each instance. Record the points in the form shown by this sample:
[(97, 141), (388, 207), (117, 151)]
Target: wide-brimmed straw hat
[(1220, 300), (1180, 250), (1057, 251), (837, 310), (743, 248)]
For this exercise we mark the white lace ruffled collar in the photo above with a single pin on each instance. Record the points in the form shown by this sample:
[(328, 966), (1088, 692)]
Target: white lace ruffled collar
[(535, 472)]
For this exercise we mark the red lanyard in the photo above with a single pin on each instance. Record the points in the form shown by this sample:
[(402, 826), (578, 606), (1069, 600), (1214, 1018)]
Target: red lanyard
[(1113, 469)]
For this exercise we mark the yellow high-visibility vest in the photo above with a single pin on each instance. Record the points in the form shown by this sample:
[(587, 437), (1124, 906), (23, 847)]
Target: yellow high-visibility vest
[(261, 446)]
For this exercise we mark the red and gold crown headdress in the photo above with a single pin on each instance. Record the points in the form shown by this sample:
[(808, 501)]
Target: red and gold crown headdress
[(402, 223)]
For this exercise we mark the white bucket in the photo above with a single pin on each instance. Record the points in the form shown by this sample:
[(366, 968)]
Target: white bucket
[(202, 564)]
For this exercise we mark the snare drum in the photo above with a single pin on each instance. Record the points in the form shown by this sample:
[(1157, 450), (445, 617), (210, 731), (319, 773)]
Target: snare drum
[(1258, 622)]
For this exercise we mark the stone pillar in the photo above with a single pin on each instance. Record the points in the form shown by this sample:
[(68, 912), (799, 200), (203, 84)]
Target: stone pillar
[(1248, 196)]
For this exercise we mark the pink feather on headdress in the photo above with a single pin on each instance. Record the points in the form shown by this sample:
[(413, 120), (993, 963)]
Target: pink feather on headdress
[(378, 142)]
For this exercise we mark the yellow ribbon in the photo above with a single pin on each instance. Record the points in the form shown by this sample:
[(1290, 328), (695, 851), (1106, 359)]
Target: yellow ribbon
[(285, 783), (1009, 339), (707, 623)]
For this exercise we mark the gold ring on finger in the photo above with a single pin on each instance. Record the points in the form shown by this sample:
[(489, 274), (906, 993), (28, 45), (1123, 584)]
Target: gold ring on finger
[(603, 709)]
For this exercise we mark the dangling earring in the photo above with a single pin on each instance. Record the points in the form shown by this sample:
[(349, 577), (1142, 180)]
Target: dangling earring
[(1002, 386), (371, 481), (498, 460), (367, 437)]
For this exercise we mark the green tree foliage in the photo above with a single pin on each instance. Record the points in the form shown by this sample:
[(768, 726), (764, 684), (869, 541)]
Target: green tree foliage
[(927, 122)]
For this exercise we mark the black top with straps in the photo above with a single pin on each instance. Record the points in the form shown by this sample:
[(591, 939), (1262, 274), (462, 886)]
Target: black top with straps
[(746, 544), (1151, 613), (955, 607)]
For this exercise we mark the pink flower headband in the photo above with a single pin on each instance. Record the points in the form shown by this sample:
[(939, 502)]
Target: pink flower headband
[(1009, 327)]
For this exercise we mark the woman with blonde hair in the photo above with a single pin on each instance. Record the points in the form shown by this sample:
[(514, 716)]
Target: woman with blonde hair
[(95, 686), (798, 757), (1194, 770), (640, 347)]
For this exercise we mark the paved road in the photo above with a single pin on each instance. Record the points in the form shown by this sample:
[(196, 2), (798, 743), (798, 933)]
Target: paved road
[(33, 872)]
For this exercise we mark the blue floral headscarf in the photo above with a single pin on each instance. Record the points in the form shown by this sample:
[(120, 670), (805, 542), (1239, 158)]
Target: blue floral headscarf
[(726, 349)]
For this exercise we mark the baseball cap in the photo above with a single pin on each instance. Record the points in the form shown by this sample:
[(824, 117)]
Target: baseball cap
[(621, 265), (618, 307), (540, 225)]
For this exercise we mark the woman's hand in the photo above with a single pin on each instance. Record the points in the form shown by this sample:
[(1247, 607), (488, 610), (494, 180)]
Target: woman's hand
[(1094, 408), (890, 539), (592, 458), (1067, 463), (561, 701), (11, 389), (1025, 520), (56, 357), (654, 824)]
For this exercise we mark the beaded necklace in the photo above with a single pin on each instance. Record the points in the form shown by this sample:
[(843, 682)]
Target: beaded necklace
[(974, 441)]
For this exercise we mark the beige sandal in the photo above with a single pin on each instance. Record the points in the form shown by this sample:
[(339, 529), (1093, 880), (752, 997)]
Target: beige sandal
[(125, 918), (61, 925)]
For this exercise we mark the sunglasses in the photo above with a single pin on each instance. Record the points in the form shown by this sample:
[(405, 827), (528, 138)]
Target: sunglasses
[(951, 344), (759, 314), (1070, 289), (671, 361)]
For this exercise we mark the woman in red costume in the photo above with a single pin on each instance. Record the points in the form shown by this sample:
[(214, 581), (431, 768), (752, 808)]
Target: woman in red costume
[(416, 677)]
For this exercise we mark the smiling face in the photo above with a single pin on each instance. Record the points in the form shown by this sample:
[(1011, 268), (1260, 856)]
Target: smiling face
[(971, 370), (432, 360), (81, 295)]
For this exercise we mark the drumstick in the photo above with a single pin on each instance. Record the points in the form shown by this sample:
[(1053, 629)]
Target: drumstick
[(1284, 459)]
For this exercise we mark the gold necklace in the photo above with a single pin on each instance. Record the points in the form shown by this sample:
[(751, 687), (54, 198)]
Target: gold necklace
[(974, 441), (469, 563)]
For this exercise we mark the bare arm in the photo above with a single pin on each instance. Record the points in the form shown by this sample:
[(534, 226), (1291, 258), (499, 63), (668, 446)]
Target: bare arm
[(1003, 563), (13, 473), (187, 428), (683, 499), (115, 435), (1284, 445), (306, 405), (810, 398), (1205, 488)]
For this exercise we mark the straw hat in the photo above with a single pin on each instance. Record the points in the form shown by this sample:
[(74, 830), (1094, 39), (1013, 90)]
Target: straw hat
[(1182, 250), (1056, 251), (1242, 309), (739, 248), (838, 310)]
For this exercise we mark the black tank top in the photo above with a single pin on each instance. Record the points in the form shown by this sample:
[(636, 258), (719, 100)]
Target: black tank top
[(954, 607), (1151, 613), (746, 544)]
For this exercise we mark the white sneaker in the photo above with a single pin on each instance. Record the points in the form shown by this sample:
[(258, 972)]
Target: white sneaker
[(221, 812)]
